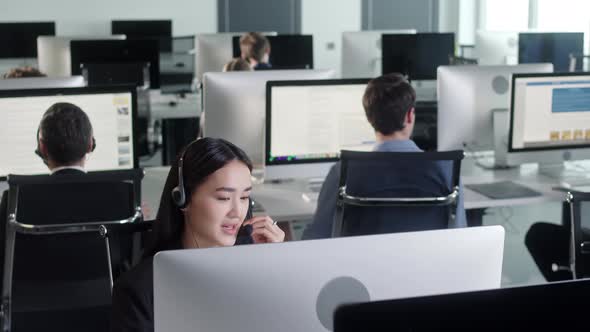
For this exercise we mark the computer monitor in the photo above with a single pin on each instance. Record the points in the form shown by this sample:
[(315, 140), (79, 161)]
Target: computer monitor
[(286, 51), (549, 119), (417, 55), (111, 110), (19, 40), (361, 52), (215, 50), (42, 83), (142, 29), (266, 287), (117, 51), (53, 53), (552, 306), (467, 99), (309, 122), (554, 47), (496, 47), (234, 105)]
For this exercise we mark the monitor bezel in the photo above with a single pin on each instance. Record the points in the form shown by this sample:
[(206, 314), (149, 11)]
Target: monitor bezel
[(511, 110), (17, 93), (267, 141)]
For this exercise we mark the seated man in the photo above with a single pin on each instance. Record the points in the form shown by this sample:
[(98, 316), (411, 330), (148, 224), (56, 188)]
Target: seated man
[(255, 49), (389, 106), (64, 138)]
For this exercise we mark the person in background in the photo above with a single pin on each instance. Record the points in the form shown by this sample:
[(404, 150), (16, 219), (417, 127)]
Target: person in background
[(389, 107), (23, 72), (255, 49)]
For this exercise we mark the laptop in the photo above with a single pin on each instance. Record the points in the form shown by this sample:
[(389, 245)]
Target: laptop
[(298, 285), (546, 307)]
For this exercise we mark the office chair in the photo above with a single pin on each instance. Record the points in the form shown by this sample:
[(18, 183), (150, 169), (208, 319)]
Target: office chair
[(578, 204), (61, 248), (388, 192)]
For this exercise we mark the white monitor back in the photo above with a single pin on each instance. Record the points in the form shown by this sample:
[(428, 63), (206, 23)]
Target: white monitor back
[(496, 47), (235, 103), (214, 50), (361, 52), (467, 97), (42, 83), (298, 285), (53, 53)]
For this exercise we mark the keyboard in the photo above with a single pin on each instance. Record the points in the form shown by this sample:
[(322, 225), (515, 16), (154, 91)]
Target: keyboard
[(503, 190)]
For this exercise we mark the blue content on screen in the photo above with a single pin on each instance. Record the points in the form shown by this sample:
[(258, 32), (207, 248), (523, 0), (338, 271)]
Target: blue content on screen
[(570, 100)]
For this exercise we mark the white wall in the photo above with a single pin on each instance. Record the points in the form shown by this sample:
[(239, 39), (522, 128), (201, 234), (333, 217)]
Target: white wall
[(78, 17), (326, 20)]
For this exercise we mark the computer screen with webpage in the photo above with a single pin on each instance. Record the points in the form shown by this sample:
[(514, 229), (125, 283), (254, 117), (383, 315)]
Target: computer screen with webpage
[(311, 121), (111, 112), (550, 111)]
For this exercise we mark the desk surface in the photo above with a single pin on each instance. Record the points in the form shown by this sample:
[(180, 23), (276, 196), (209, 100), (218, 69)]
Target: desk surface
[(287, 201)]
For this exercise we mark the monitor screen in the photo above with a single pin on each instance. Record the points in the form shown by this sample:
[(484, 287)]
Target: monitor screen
[(551, 47), (19, 40), (286, 51), (140, 29), (117, 51), (550, 111), (311, 121), (111, 110), (417, 55)]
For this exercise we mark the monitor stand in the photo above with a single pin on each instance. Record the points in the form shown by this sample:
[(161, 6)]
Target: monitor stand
[(425, 90)]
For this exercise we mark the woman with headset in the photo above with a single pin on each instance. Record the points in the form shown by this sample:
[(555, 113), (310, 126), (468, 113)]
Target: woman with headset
[(205, 203)]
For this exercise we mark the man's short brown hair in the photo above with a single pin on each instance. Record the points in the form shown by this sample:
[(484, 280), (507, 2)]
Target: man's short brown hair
[(24, 72), (386, 101), (254, 45), (237, 64)]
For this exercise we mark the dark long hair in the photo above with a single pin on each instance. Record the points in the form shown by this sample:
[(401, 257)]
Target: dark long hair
[(201, 158)]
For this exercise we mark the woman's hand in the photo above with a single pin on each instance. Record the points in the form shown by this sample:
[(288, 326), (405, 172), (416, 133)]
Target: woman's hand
[(265, 230)]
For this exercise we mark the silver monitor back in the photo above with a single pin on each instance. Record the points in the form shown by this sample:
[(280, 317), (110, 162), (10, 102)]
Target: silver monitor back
[(496, 47), (53, 53), (467, 97), (298, 285), (214, 50), (235, 102), (361, 52), (42, 83)]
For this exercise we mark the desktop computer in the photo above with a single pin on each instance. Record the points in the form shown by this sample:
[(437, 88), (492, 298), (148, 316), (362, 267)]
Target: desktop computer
[(160, 30), (468, 96), (554, 47), (42, 83), (19, 40), (308, 123), (53, 53), (556, 306), (361, 52), (112, 112), (214, 50), (417, 55), (234, 106), (286, 51), (496, 47), (550, 122), (117, 51), (298, 285)]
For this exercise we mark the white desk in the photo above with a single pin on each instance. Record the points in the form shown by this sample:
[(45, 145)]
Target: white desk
[(287, 201)]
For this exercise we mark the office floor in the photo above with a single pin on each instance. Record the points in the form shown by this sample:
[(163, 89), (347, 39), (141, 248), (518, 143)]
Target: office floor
[(519, 267)]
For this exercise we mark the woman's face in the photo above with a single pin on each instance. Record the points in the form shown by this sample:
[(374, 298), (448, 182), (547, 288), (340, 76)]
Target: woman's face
[(218, 207)]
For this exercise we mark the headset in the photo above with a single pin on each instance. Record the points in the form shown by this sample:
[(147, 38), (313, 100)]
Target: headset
[(44, 158), (179, 192)]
